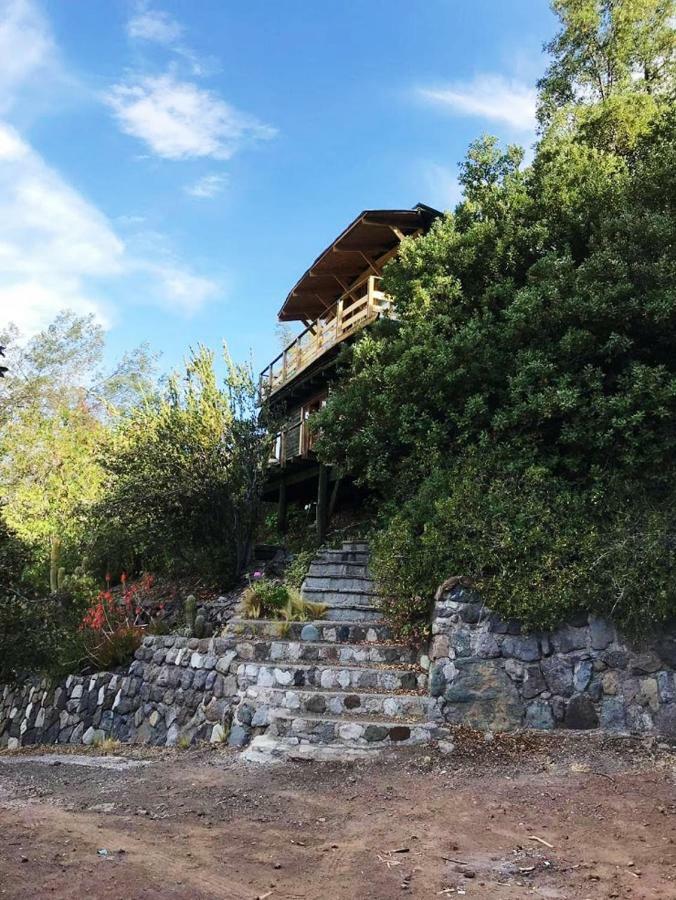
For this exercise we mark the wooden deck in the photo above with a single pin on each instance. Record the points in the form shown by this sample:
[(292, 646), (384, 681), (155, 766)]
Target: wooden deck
[(352, 312)]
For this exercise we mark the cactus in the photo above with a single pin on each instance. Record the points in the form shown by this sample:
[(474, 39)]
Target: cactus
[(189, 608), (199, 629), (61, 578)]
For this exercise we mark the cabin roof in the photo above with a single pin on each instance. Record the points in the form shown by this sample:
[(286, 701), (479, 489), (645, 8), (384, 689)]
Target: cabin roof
[(372, 235)]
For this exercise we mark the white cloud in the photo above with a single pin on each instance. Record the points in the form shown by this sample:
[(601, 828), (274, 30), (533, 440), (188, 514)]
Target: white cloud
[(179, 120), (57, 250), (181, 290), (442, 186), (156, 26), (27, 49), (492, 97), (207, 187)]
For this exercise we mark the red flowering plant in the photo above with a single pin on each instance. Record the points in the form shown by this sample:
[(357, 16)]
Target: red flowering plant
[(114, 625)]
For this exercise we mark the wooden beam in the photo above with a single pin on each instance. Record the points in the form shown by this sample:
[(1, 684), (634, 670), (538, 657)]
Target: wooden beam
[(282, 508), (322, 497), (370, 263)]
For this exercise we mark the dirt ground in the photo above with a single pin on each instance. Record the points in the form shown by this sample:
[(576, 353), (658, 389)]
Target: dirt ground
[(557, 817)]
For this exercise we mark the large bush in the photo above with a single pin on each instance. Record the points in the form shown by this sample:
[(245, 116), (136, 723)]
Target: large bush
[(517, 419)]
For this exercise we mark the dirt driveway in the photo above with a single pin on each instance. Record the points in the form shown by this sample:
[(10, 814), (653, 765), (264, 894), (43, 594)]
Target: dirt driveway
[(560, 817)]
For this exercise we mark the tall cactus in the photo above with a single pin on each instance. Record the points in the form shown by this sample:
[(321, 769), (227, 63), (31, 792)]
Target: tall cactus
[(189, 608)]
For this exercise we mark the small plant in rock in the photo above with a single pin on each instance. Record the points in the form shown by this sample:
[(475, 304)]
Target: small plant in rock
[(268, 599), (107, 745), (183, 743)]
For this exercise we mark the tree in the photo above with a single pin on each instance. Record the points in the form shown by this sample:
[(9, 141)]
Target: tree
[(517, 418), (184, 475), (612, 69), (55, 406)]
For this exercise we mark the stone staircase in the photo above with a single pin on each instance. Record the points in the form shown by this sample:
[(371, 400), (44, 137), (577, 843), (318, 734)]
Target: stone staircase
[(338, 682)]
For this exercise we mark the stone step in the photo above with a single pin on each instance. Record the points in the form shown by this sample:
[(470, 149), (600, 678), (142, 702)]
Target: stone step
[(338, 570), (325, 652), (343, 556), (339, 598), (332, 677), (268, 750), (355, 547), (328, 631), (339, 584), (354, 613), (328, 730), (418, 707)]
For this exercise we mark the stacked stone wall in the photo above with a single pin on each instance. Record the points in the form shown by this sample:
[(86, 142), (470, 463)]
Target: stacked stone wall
[(491, 674), (176, 689)]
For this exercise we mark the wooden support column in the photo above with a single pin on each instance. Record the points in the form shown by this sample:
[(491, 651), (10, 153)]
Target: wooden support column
[(281, 508), (322, 501)]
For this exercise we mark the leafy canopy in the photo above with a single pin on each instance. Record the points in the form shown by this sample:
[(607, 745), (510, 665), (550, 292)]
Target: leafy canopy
[(517, 418)]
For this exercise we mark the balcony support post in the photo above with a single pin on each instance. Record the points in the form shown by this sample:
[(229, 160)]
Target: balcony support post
[(322, 501), (282, 508)]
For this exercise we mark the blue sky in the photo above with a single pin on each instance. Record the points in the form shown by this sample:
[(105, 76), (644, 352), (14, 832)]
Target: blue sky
[(173, 167)]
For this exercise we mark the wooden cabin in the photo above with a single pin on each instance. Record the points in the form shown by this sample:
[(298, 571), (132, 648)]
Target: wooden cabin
[(338, 296)]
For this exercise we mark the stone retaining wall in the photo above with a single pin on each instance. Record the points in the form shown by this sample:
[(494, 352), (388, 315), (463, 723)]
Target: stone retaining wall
[(176, 688), (492, 675)]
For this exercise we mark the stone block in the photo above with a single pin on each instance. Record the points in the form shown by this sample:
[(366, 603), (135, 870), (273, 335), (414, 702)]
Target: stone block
[(218, 734), (515, 669), (582, 675), (665, 721), (666, 682), (486, 646), (484, 697), (93, 736), (615, 659), (375, 733), (558, 673), (645, 663), (539, 715), (239, 736), (437, 681), (440, 646), (523, 647), (649, 693), (601, 632), (580, 713), (568, 638), (533, 683), (310, 632)]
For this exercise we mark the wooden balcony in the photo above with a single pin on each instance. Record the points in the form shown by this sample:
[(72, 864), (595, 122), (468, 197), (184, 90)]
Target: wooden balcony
[(352, 312)]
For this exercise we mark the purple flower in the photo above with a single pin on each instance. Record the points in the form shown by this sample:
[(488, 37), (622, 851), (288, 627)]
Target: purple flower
[(257, 574)]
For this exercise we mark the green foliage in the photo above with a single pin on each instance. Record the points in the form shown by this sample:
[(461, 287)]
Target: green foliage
[(55, 408), (297, 569), (109, 651), (39, 635), (269, 599), (537, 547), (183, 478), (265, 598), (517, 418), (612, 69)]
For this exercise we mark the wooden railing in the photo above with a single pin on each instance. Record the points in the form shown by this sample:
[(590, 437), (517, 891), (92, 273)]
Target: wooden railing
[(339, 322)]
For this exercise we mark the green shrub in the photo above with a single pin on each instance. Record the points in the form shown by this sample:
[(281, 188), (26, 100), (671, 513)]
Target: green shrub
[(517, 421), (39, 635), (536, 548), (295, 572), (267, 599)]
